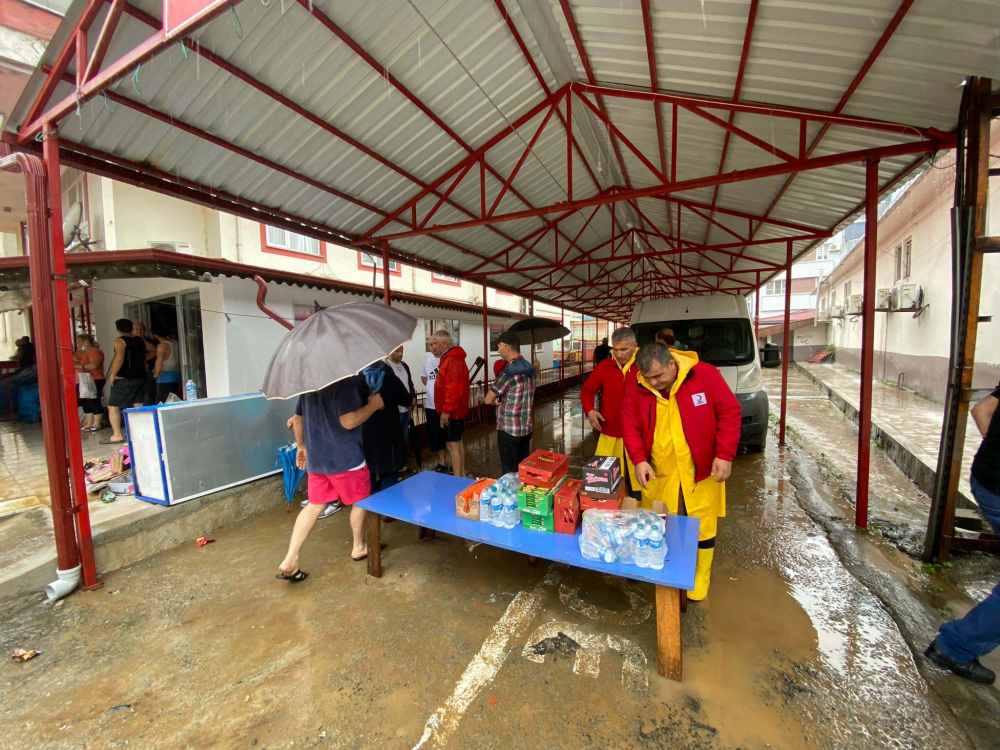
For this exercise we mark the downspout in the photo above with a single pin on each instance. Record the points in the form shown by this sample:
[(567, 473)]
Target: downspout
[(261, 297)]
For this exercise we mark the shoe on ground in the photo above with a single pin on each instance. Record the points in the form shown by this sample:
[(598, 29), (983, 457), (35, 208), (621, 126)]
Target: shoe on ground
[(331, 508), (970, 670), (442, 469), (304, 503)]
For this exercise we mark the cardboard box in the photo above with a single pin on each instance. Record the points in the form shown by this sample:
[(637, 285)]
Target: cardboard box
[(659, 507), (569, 490), (543, 469), (601, 475), (602, 502), (603, 491), (467, 501), (566, 519), (538, 500)]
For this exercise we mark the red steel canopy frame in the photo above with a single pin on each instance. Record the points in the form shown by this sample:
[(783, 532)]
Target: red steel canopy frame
[(639, 259)]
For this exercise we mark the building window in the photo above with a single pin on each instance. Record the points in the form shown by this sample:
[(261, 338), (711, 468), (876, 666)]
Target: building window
[(367, 261), (822, 252), (847, 292), (442, 324), (283, 242), (774, 287), (440, 278), (903, 253)]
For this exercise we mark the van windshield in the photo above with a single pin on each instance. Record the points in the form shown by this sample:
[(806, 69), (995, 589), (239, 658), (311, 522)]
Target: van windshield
[(719, 341)]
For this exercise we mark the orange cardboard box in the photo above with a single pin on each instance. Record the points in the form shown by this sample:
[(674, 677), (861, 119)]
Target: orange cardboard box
[(467, 501)]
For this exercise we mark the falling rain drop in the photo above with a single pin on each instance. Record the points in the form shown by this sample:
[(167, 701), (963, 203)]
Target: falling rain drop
[(704, 18), (420, 57)]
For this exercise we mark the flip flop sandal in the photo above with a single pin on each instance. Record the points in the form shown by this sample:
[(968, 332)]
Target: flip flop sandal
[(297, 577), (365, 556)]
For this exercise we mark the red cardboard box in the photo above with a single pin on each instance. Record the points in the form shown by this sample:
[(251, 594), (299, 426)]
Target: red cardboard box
[(600, 502), (569, 492), (543, 469), (566, 518)]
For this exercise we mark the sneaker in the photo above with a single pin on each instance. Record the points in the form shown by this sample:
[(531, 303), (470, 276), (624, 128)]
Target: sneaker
[(304, 503), (970, 670), (331, 508)]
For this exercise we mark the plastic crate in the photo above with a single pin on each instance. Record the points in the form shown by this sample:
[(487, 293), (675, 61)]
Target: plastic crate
[(537, 522)]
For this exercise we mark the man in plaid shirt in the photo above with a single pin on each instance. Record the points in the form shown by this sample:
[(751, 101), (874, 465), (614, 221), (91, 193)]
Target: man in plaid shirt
[(514, 391)]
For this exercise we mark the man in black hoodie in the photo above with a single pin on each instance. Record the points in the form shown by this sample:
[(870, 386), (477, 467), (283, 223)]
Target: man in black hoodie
[(382, 434)]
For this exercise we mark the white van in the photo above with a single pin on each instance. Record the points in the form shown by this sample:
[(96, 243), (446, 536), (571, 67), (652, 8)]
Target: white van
[(718, 328)]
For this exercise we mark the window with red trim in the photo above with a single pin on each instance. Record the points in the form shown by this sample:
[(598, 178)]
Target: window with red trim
[(367, 261), (440, 278), (282, 242), (504, 294)]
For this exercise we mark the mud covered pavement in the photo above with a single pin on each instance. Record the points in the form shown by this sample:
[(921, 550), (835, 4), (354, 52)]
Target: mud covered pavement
[(469, 647)]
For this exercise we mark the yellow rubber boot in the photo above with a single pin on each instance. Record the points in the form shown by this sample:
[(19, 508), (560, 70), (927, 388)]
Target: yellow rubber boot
[(702, 574)]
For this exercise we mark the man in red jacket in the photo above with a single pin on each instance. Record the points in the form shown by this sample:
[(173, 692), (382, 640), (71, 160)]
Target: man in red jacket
[(608, 379), (451, 396), (681, 425)]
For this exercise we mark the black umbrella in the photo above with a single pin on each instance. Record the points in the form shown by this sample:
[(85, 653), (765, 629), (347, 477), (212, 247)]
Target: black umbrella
[(538, 330)]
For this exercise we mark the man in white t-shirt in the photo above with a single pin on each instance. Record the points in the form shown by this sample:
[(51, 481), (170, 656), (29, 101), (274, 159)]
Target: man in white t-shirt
[(435, 435)]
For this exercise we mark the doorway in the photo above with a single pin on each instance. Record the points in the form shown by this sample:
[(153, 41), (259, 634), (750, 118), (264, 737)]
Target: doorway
[(180, 315)]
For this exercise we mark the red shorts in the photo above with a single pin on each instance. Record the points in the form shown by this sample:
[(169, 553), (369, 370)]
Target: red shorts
[(348, 486)]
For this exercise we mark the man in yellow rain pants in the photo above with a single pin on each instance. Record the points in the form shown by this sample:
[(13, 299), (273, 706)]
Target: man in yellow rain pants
[(681, 427), (608, 379)]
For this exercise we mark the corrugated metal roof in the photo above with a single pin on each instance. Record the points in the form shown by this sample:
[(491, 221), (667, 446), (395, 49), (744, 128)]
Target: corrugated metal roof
[(420, 83)]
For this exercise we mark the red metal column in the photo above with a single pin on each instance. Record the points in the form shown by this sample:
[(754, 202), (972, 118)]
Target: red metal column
[(486, 343), (44, 335), (562, 347), (65, 339), (386, 295), (867, 342), (756, 311), (785, 344)]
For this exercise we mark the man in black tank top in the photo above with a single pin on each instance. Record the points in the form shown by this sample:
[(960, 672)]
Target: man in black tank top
[(127, 377)]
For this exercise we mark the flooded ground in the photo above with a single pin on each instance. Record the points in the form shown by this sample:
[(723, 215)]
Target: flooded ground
[(469, 647)]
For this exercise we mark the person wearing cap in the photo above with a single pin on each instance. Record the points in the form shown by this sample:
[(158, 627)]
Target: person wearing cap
[(514, 392), (608, 379)]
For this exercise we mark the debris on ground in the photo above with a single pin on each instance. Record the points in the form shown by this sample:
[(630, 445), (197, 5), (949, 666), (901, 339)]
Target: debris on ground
[(21, 655), (203, 540), (119, 708), (108, 497)]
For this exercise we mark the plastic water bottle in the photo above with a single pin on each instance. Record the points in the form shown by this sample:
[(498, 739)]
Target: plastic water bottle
[(496, 509), (510, 512), (597, 548), (485, 505), (640, 546), (190, 391), (657, 549)]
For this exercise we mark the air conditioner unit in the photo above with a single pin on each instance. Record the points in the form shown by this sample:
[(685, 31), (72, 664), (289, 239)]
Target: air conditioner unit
[(883, 298), (908, 294), (855, 304), (176, 247), (838, 311)]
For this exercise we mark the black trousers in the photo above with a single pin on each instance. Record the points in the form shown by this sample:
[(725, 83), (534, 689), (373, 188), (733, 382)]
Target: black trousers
[(513, 450)]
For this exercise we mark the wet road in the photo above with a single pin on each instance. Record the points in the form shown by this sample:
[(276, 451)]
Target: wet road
[(469, 647)]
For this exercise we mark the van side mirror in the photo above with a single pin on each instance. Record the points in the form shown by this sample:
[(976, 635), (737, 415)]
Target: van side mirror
[(770, 356)]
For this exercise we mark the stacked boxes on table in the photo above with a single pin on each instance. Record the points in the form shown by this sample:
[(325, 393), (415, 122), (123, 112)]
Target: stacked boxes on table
[(567, 506), (541, 473)]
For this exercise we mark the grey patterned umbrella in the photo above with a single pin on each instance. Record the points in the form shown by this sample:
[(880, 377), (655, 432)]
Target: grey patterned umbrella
[(334, 344)]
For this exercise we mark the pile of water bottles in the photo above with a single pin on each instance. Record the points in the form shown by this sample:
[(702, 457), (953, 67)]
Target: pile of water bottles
[(624, 536), (498, 502)]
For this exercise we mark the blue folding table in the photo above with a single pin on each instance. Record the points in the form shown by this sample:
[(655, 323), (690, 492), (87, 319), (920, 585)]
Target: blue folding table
[(428, 500)]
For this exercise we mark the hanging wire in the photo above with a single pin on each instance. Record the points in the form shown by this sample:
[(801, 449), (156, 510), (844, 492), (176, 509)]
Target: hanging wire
[(237, 25), (135, 80), (107, 103), (42, 133), (184, 50)]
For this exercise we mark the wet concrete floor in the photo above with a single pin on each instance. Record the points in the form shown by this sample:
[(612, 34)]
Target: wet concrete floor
[(470, 647)]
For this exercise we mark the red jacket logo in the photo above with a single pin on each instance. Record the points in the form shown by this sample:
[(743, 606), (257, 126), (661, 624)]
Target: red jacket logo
[(699, 399)]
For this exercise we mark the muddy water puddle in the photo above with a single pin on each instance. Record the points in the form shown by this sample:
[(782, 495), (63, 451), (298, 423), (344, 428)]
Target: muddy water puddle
[(460, 648)]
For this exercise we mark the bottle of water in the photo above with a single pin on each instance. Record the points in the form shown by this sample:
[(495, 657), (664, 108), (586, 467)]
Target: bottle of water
[(485, 505), (496, 509), (596, 547), (657, 549), (510, 512), (640, 545), (190, 391)]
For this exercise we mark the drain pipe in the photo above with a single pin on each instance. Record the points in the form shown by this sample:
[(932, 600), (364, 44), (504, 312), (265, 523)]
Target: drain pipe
[(66, 581), (262, 296)]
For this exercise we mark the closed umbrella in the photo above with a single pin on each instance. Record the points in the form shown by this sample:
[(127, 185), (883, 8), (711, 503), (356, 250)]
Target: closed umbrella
[(334, 344), (538, 330), (291, 473)]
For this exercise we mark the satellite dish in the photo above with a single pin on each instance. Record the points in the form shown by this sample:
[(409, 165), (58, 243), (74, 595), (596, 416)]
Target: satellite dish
[(71, 223)]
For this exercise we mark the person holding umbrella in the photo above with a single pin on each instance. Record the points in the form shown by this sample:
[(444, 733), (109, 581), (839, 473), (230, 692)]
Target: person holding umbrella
[(514, 390), (317, 362)]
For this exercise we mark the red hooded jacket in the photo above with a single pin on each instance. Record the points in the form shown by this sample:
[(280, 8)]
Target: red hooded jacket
[(710, 414), (607, 379), (451, 389)]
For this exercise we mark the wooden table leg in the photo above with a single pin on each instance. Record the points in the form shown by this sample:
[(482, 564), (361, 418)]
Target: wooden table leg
[(684, 601), (423, 533), (532, 561), (668, 632), (373, 534)]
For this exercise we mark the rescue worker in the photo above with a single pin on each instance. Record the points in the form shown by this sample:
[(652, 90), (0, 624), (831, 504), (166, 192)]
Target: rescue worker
[(608, 379), (681, 426)]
